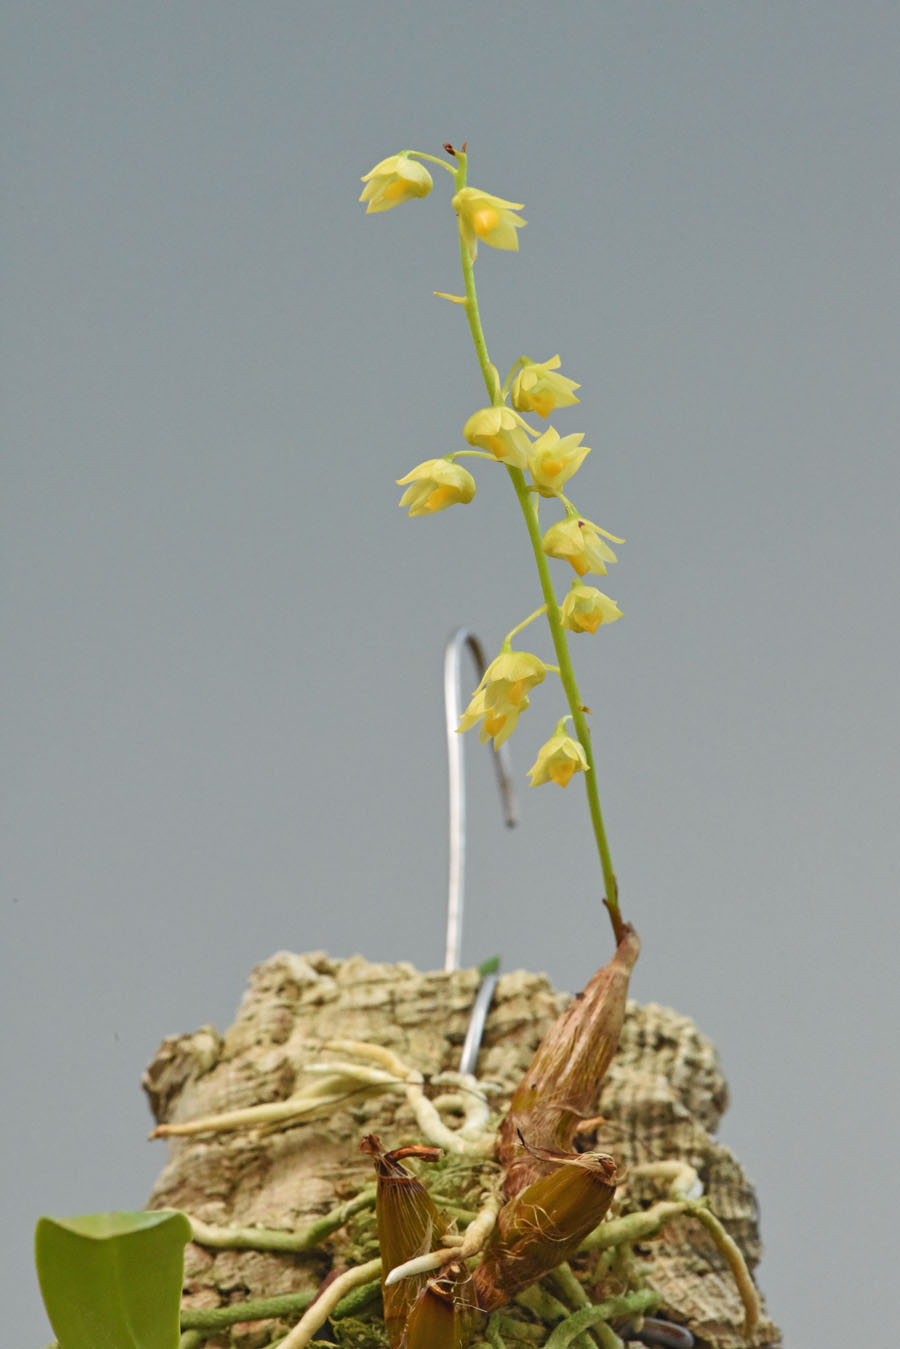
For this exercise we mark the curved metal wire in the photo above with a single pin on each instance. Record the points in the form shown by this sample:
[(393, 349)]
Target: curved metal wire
[(452, 672), (490, 977)]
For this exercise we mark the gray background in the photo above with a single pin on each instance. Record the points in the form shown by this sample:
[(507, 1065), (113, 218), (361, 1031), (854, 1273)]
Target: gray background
[(221, 672)]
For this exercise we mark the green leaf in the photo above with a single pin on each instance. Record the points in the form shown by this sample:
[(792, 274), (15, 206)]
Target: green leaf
[(113, 1280)]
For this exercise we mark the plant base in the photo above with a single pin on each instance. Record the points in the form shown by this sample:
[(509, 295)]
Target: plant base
[(662, 1099)]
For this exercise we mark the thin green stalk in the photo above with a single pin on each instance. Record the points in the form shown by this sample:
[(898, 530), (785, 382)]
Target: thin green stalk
[(432, 159), (524, 624), (554, 620)]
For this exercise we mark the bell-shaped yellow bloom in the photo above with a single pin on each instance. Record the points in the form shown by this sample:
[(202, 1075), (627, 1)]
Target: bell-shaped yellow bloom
[(393, 181), (436, 484), (501, 431), (579, 542), (491, 219), (502, 695), (553, 459), (585, 608), (497, 724), (537, 389), (557, 761)]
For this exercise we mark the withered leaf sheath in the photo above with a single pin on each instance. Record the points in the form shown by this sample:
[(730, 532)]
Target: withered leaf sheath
[(408, 1224), (544, 1224), (442, 1317), (561, 1085)]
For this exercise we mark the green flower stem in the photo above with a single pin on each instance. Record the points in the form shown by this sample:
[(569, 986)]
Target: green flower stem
[(557, 632), (432, 159), (524, 624), (523, 360), (471, 306)]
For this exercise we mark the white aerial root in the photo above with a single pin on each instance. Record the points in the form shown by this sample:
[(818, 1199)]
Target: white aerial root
[(684, 1183), (470, 1098), (339, 1080), (468, 1140), (315, 1316), (474, 1237)]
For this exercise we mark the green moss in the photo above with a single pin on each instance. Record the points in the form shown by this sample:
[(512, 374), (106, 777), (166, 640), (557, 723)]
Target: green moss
[(353, 1332)]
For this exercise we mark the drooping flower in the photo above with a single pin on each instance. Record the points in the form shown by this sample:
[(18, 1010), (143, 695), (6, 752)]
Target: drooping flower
[(491, 219), (579, 542), (396, 179), (436, 484), (502, 695), (537, 389), (501, 431), (553, 459), (585, 608), (557, 761)]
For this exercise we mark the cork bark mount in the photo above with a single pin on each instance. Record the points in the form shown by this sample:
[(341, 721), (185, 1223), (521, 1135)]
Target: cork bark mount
[(660, 1101)]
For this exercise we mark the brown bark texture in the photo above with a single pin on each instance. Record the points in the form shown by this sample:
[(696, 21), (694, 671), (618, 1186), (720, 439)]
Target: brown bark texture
[(661, 1099)]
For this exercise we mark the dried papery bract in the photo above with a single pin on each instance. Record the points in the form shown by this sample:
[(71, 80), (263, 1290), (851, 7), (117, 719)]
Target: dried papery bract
[(561, 1085), (545, 1224), (442, 1316), (408, 1224)]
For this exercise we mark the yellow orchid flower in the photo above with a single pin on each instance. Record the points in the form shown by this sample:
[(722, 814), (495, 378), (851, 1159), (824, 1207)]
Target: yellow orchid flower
[(557, 761), (501, 431), (396, 179), (502, 695), (537, 389), (497, 724), (491, 219), (436, 484), (552, 460), (579, 542), (585, 608)]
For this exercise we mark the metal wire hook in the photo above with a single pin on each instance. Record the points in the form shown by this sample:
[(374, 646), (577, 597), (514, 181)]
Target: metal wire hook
[(452, 671)]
